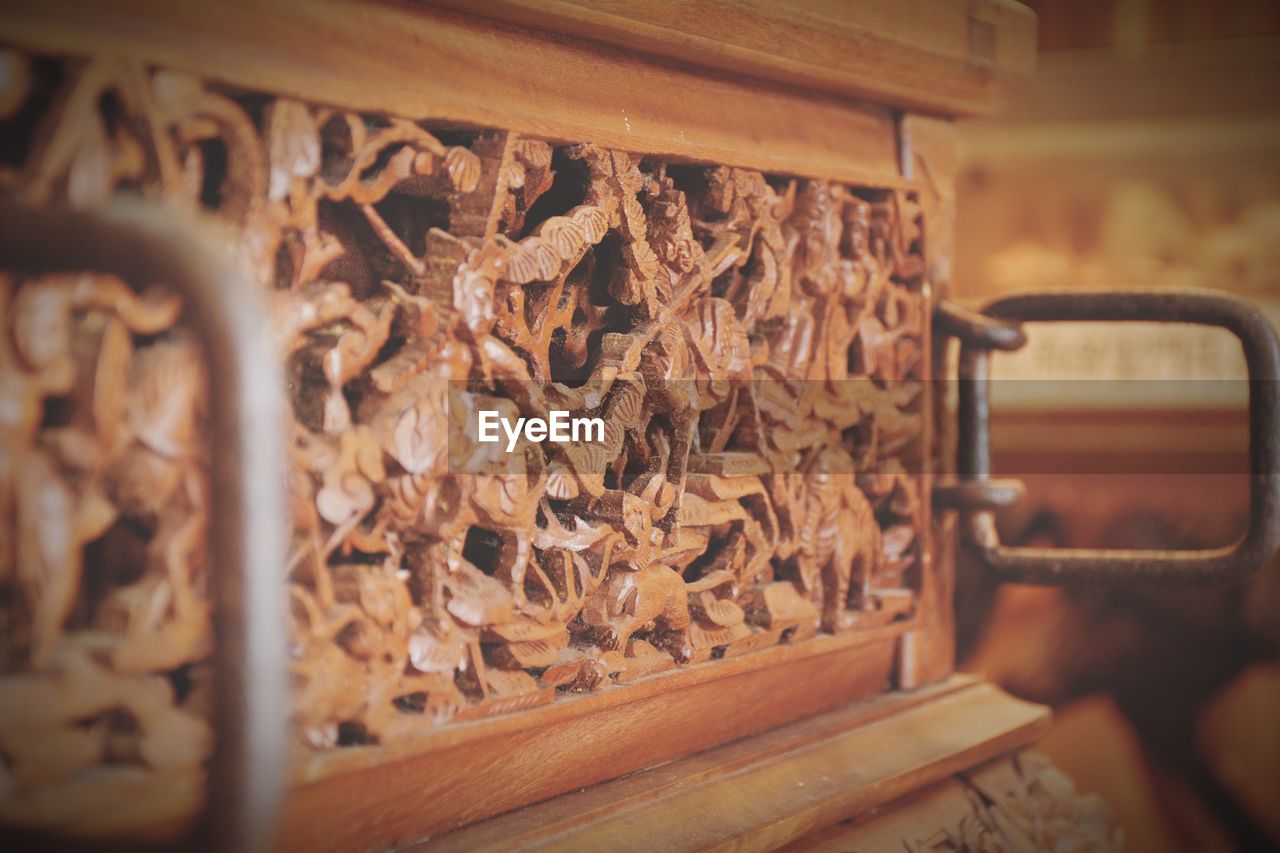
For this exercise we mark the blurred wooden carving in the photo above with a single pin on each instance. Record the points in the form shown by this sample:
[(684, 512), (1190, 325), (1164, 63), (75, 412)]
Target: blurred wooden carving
[(1025, 803), (1020, 802), (755, 343)]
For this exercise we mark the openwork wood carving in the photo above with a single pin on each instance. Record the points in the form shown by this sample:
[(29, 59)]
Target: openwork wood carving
[(1025, 803), (755, 344)]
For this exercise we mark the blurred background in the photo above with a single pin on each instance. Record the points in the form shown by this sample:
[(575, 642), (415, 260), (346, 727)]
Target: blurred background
[(1147, 153)]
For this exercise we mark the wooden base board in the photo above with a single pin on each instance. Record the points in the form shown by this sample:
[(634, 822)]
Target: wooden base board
[(372, 798), (763, 792)]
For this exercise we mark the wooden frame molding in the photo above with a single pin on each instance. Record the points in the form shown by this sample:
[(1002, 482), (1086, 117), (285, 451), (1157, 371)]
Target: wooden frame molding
[(932, 55), (481, 73), (520, 203), (472, 771), (771, 790)]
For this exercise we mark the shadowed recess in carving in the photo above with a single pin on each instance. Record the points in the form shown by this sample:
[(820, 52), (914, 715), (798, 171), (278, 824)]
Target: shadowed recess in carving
[(709, 315)]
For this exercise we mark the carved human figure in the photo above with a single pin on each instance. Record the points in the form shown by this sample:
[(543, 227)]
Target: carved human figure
[(703, 311), (839, 539)]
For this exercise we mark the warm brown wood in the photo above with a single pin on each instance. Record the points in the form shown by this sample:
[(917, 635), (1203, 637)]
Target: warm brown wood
[(1121, 442), (912, 820), (772, 668), (928, 158), (1151, 164), (1192, 78), (1138, 659), (778, 499), (932, 55), (427, 196), (1012, 803), (764, 792), (424, 63), (480, 769), (927, 149)]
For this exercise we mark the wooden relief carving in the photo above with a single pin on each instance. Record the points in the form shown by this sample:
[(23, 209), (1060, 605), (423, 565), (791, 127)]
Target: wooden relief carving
[(1025, 803), (1017, 803), (754, 343)]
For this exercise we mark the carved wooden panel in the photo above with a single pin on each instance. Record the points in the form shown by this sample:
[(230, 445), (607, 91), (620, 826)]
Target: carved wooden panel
[(1017, 803), (755, 344)]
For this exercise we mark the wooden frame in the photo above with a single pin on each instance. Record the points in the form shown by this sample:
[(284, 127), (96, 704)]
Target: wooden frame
[(470, 771), (371, 58), (766, 792)]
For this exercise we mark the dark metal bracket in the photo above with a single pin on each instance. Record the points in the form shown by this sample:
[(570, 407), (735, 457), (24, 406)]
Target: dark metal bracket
[(976, 495)]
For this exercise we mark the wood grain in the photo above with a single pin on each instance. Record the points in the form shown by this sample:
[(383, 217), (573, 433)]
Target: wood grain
[(767, 791), (927, 155), (934, 55), (473, 771), (915, 818), (427, 63), (1017, 802), (430, 71)]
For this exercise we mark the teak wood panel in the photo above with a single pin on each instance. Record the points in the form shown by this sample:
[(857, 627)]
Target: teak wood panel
[(513, 761), (790, 681), (773, 789), (933, 55), (427, 62), (1017, 802)]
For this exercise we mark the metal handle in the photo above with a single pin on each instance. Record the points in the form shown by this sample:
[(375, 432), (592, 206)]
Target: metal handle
[(142, 244), (976, 494)]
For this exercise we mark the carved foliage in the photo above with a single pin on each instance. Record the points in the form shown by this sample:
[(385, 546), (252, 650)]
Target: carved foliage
[(751, 342)]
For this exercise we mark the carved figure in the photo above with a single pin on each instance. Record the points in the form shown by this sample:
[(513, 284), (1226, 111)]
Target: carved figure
[(751, 342)]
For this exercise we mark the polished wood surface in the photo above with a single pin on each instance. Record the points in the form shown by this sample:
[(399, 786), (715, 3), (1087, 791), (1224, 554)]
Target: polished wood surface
[(513, 761), (1019, 802), (755, 516), (932, 55), (764, 792), (429, 194), (425, 62)]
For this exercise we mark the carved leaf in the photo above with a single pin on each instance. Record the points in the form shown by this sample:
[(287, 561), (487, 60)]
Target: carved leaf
[(708, 315), (293, 146)]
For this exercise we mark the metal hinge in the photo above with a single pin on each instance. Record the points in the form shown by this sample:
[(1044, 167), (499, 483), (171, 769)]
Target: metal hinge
[(976, 496)]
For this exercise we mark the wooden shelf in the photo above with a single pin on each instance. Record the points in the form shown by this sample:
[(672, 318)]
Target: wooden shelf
[(769, 790), (379, 796)]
